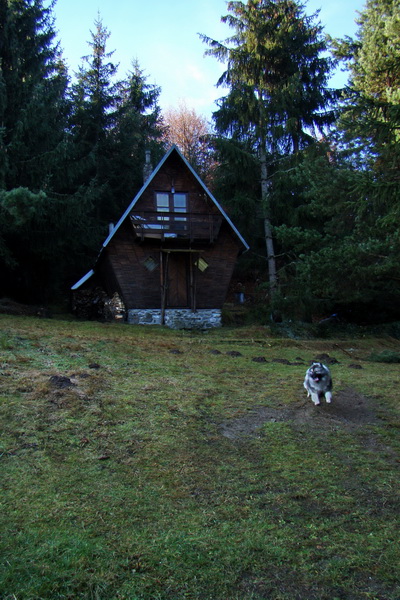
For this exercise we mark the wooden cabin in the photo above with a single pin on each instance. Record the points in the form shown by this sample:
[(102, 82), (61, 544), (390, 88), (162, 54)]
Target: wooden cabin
[(171, 256)]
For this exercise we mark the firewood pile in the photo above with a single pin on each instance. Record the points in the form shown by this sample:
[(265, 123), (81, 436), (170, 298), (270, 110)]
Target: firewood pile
[(94, 304), (116, 308)]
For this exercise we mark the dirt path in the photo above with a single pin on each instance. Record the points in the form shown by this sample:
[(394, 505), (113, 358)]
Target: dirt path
[(349, 410)]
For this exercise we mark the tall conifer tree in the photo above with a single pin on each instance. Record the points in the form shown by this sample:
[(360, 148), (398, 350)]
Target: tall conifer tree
[(33, 82), (113, 122), (33, 112), (371, 111), (370, 136), (94, 99), (277, 77), (139, 127), (342, 231)]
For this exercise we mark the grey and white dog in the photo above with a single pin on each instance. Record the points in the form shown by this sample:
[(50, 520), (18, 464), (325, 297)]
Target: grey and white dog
[(318, 383)]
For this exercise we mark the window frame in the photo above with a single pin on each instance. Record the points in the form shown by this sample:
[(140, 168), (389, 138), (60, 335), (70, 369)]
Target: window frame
[(172, 206)]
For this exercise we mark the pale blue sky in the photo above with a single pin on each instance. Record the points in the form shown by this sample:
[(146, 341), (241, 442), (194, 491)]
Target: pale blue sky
[(163, 36)]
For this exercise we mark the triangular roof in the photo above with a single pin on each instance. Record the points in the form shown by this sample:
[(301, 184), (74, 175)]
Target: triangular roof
[(82, 280), (173, 148)]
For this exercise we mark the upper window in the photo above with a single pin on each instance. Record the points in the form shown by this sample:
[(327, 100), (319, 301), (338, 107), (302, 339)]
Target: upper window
[(179, 202), (162, 202), (172, 203)]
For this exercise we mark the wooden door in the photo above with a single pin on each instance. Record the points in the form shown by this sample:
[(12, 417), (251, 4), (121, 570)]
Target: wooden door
[(178, 277)]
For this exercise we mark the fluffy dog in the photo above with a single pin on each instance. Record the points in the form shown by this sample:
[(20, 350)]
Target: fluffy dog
[(318, 383)]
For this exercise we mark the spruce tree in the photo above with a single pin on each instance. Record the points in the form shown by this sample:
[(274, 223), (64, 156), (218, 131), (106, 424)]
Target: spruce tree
[(370, 118), (33, 111), (112, 124), (94, 101), (277, 76), (369, 129), (33, 82), (340, 234), (139, 127)]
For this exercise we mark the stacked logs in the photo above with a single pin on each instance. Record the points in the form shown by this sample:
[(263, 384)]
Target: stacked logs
[(94, 304)]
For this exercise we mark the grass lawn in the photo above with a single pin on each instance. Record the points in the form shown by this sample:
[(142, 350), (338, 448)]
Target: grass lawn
[(139, 463)]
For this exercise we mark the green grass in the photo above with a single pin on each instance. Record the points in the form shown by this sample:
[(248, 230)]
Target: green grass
[(122, 486)]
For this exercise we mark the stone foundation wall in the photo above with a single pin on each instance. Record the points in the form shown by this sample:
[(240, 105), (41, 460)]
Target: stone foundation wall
[(176, 318)]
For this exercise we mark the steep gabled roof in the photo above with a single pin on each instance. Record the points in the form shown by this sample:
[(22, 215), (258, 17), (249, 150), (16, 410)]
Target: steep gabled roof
[(153, 174), (82, 280), (173, 148)]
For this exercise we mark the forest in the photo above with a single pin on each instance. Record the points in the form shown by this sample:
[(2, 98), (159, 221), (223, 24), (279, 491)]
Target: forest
[(309, 174)]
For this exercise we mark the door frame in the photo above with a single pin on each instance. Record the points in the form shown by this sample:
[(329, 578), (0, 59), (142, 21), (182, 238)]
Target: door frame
[(190, 278)]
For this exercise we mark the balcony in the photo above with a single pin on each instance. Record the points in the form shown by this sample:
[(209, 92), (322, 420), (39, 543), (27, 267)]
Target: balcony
[(174, 225)]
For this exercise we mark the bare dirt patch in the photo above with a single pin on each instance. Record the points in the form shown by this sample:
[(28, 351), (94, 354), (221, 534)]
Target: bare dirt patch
[(349, 410)]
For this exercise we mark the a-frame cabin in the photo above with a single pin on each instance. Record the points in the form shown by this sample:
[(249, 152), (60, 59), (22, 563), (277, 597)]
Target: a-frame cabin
[(171, 256)]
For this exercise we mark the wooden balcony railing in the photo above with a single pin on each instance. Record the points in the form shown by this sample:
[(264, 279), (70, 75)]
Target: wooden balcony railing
[(170, 225)]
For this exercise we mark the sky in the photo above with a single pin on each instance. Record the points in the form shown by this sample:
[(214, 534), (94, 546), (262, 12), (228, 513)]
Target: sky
[(162, 35)]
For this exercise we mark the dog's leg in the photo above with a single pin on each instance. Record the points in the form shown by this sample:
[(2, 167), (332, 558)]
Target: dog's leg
[(315, 398), (328, 397)]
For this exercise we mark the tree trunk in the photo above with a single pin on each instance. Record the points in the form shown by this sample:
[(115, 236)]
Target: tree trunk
[(269, 242)]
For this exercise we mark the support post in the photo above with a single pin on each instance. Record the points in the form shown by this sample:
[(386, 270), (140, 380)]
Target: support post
[(164, 284)]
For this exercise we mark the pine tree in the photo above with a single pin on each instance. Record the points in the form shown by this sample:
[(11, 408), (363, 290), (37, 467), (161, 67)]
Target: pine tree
[(316, 235), (369, 128), (341, 233), (33, 82), (139, 127), (94, 100), (370, 119), (112, 124), (277, 77), (33, 107), (68, 163)]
